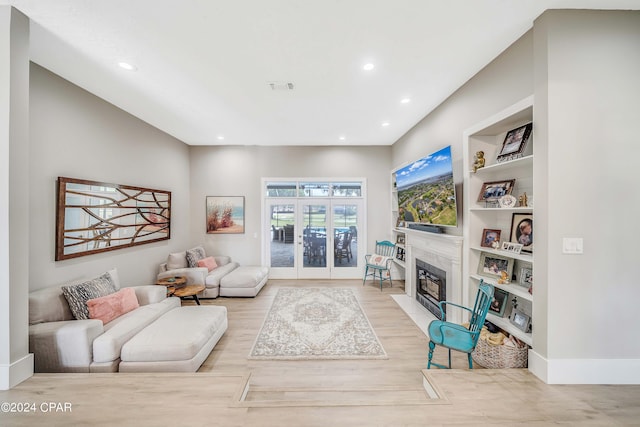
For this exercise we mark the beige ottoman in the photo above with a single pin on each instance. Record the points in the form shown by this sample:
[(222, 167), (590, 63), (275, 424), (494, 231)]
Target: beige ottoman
[(244, 281), (178, 341)]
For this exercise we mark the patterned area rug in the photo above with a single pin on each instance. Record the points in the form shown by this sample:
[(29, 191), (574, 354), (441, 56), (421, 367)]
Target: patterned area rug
[(316, 323)]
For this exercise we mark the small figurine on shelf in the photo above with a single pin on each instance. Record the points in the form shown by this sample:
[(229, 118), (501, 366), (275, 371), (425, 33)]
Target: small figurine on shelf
[(479, 161), (522, 200), (495, 244), (504, 278)]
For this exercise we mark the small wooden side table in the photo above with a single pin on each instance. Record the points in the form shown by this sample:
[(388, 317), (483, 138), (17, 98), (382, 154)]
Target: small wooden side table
[(189, 291), (172, 281)]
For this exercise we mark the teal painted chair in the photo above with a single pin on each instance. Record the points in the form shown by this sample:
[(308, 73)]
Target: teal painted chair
[(379, 263), (457, 337)]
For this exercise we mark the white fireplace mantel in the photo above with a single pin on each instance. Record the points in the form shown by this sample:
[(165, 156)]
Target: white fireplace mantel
[(441, 250)]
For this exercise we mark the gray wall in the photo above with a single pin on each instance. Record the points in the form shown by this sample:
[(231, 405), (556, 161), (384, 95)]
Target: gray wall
[(508, 79), (238, 170), (76, 134)]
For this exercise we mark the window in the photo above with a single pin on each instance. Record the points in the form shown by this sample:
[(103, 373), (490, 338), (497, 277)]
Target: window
[(347, 189), (278, 189), (281, 189)]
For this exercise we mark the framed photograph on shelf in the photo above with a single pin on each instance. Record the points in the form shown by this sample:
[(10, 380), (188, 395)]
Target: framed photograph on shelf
[(525, 278), (492, 266), (225, 215), (493, 191), (514, 143), (400, 239), (522, 230), (520, 320), (499, 302), (489, 236), (514, 248)]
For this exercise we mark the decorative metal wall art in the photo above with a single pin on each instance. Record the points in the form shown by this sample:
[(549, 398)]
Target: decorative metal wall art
[(95, 217)]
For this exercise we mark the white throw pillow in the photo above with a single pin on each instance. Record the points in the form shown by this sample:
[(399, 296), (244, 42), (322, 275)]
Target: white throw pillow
[(379, 260), (177, 260)]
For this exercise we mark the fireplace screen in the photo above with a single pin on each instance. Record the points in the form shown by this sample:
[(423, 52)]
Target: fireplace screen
[(431, 287)]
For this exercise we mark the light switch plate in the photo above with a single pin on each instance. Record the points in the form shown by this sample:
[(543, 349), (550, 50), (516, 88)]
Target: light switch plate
[(572, 245)]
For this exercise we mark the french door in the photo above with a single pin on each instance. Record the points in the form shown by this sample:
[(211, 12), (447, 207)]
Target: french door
[(311, 238)]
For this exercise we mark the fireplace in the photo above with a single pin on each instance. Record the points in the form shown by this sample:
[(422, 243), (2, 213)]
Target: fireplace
[(431, 286)]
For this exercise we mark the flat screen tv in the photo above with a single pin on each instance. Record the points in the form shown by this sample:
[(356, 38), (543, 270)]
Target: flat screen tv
[(426, 191)]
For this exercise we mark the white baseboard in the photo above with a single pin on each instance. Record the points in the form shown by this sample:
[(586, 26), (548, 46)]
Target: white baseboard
[(18, 371), (584, 371)]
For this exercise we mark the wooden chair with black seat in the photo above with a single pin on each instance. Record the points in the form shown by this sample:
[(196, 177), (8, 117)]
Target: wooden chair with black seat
[(342, 247), (288, 233)]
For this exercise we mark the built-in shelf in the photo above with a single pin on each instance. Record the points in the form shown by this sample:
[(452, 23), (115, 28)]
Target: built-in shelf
[(505, 324), (523, 256), (512, 288), (522, 162), (488, 136), (514, 209)]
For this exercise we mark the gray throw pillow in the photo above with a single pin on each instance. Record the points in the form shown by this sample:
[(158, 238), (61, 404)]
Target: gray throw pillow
[(194, 255), (78, 295)]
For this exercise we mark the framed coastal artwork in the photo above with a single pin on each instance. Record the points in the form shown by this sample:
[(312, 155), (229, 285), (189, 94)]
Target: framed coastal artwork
[(225, 214)]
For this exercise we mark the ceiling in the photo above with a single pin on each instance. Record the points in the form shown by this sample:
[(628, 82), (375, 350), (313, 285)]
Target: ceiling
[(204, 67)]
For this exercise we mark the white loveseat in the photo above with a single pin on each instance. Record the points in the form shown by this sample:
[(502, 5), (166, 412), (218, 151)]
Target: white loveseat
[(227, 279), (60, 343)]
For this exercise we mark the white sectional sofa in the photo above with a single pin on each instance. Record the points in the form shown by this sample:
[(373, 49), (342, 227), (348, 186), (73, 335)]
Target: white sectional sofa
[(61, 343), (227, 278)]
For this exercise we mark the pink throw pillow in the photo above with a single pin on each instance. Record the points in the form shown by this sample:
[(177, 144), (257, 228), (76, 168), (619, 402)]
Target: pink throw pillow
[(208, 262), (113, 305)]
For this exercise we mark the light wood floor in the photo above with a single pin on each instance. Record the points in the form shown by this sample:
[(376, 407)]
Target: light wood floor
[(230, 390)]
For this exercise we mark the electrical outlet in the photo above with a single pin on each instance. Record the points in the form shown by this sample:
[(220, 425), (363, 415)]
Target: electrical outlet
[(572, 245)]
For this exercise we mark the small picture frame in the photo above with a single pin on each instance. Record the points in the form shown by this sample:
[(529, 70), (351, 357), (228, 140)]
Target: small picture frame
[(511, 247), (525, 277), (493, 266), (499, 302), (522, 230), (493, 191), (514, 143), (489, 236), (520, 320), (400, 239)]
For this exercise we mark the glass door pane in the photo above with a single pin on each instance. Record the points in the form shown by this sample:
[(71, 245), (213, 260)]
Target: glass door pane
[(313, 239), (345, 235), (281, 221)]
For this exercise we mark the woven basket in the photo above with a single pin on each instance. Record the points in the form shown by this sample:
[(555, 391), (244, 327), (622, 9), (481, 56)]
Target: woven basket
[(499, 356)]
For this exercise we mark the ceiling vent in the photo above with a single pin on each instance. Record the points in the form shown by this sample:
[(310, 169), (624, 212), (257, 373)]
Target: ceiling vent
[(281, 85)]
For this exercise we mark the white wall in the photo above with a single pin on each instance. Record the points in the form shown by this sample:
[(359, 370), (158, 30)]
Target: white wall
[(238, 170), (77, 135), (588, 73)]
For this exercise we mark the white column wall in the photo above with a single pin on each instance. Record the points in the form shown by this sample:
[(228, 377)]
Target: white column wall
[(591, 88), (16, 364)]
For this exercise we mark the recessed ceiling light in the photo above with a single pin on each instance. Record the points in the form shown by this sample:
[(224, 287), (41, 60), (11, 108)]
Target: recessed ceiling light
[(405, 100), (127, 66), (342, 137), (385, 124), (368, 67), (220, 137)]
